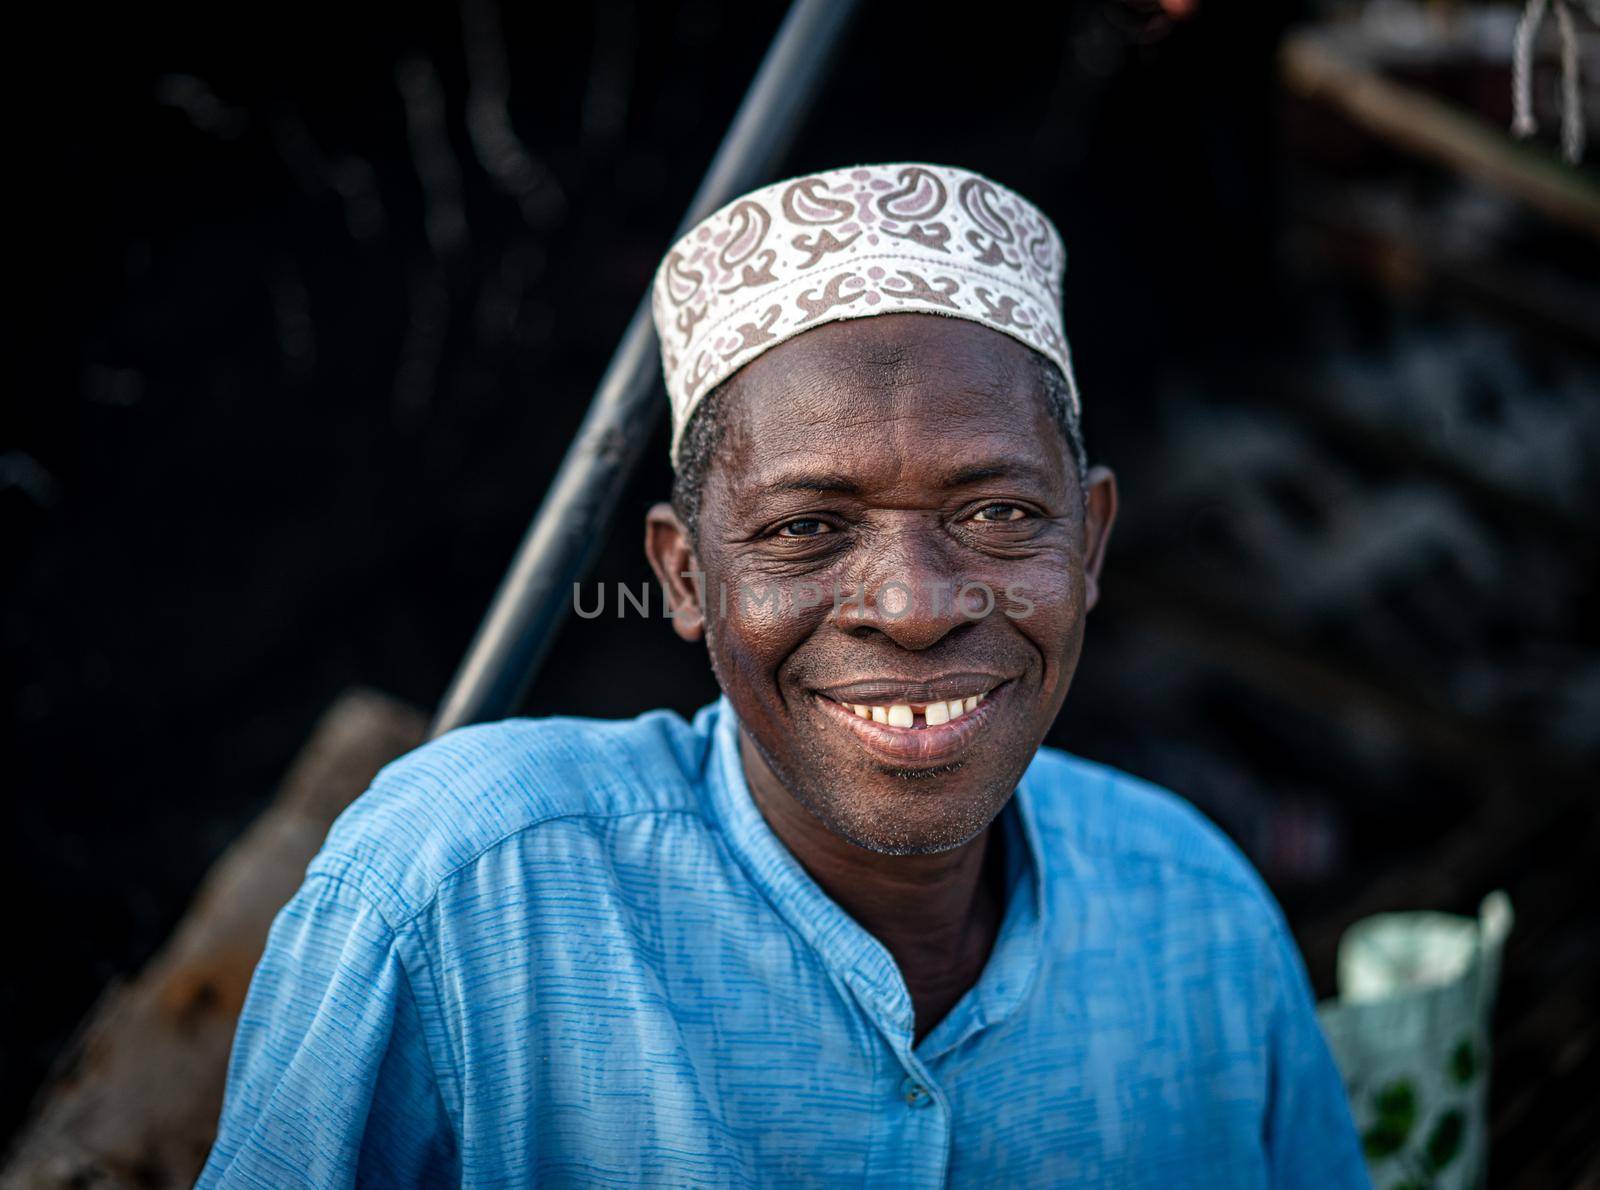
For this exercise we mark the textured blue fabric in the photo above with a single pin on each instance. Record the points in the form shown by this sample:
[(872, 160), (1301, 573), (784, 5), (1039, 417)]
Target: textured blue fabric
[(572, 952)]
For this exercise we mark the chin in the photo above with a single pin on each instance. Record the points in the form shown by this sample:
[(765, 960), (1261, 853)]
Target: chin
[(920, 811)]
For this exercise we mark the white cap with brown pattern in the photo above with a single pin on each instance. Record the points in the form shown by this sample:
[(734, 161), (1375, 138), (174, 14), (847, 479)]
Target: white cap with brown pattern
[(850, 243)]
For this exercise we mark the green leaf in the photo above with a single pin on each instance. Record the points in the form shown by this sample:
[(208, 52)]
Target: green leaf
[(1382, 1140), (1444, 1142), (1396, 1105), (1463, 1062)]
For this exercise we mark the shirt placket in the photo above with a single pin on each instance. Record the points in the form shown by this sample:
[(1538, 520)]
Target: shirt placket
[(915, 1127), (916, 1120)]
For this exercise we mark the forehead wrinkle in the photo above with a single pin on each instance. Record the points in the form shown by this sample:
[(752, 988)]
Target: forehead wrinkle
[(876, 405), (894, 419), (848, 382), (857, 355), (897, 463), (899, 429), (874, 367), (785, 464)]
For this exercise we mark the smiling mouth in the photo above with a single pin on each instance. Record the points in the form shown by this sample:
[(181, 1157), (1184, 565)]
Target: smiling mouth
[(908, 725), (917, 715)]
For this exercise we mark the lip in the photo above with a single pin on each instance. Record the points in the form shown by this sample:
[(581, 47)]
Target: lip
[(887, 691), (916, 747)]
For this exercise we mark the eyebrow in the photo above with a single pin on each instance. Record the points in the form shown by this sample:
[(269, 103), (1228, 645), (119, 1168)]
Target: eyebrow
[(824, 483), (979, 472)]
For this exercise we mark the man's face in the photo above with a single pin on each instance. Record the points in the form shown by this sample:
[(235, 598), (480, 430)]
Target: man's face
[(880, 483)]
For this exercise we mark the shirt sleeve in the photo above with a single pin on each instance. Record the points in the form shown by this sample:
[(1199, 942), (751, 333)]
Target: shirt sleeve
[(1310, 1135), (330, 1082)]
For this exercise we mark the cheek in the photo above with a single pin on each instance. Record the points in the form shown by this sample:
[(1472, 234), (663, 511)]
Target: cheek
[(754, 622), (1047, 606)]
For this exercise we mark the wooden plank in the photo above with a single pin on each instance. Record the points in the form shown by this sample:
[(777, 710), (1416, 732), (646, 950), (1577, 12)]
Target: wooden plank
[(1322, 66), (136, 1098)]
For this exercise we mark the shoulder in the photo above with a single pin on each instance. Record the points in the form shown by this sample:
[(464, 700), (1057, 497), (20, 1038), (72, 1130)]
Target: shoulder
[(1132, 831), (446, 804)]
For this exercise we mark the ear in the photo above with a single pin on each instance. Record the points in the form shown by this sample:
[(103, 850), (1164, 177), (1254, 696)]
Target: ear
[(671, 553), (1099, 513)]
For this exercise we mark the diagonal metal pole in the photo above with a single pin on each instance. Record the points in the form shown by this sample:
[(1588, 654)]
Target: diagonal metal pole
[(577, 510)]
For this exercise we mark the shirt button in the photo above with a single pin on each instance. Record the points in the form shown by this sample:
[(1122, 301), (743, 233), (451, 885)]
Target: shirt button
[(914, 1093)]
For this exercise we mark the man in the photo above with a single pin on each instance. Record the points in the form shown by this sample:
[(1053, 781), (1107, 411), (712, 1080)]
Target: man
[(851, 925)]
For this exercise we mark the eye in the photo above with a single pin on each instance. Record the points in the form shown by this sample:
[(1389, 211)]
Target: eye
[(805, 527), (999, 513)]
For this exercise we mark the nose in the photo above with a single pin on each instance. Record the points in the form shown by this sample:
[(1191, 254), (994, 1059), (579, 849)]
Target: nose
[(906, 589)]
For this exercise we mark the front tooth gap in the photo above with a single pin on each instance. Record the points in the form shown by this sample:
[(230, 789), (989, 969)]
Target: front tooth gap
[(905, 714)]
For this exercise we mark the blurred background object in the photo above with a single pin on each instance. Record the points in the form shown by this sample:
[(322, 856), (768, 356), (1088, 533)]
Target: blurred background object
[(1411, 1033), (312, 300)]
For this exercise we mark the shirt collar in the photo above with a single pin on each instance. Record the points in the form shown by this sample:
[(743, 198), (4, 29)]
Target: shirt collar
[(845, 946)]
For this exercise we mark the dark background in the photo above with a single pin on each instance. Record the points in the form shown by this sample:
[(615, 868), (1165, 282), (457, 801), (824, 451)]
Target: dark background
[(308, 299)]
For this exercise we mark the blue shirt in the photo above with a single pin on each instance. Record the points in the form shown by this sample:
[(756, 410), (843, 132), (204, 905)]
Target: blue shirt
[(572, 952)]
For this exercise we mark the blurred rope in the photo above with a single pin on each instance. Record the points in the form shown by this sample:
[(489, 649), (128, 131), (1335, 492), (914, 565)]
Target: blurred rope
[(1523, 123)]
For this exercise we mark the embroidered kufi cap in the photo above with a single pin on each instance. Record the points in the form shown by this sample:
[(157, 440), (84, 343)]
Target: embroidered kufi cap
[(851, 243)]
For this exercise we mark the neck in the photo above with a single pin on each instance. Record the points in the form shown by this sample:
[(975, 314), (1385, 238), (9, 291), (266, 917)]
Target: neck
[(937, 915)]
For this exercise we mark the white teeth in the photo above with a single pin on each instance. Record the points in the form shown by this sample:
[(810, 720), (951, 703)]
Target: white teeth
[(904, 714)]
